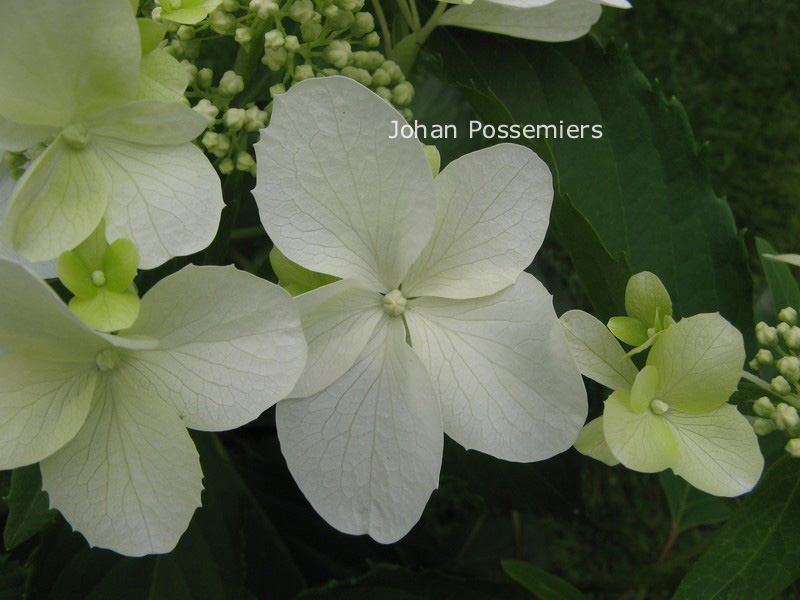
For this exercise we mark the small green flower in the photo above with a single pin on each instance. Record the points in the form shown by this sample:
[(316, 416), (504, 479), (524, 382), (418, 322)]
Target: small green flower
[(649, 309)]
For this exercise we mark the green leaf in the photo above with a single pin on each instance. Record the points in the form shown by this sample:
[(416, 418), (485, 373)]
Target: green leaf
[(781, 280), (756, 554), (539, 582), (28, 507), (647, 300), (404, 53), (629, 330), (689, 506), (293, 277), (642, 187)]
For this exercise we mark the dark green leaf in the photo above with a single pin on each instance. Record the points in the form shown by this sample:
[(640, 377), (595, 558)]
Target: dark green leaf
[(756, 554), (781, 281), (12, 579), (689, 506), (539, 582), (28, 507), (642, 187)]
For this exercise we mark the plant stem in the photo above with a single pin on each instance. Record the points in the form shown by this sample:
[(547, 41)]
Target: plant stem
[(387, 38), (433, 21), (668, 545), (747, 376)]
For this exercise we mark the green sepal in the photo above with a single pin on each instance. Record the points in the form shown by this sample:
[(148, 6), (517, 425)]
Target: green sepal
[(647, 299), (294, 278), (150, 34), (76, 275), (629, 330), (120, 261), (107, 310)]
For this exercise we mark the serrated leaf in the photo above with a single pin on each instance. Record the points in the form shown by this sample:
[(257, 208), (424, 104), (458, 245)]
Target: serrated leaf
[(642, 186), (780, 279), (539, 582), (756, 553), (28, 507)]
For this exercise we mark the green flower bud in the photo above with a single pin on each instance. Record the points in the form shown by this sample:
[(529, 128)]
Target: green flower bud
[(273, 39), (222, 146), (302, 72), (782, 328), (156, 14), (310, 31), (255, 119), (226, 166), (275, 59), (243, 35), (362, 76), (785, 416), (231, 84), (384, 93), (264, 9), (402, 93), (245, 162), (276, 89), (792, 338), (338, 53), (291, 43), (351, 5), (371, 40), (234, 119), (763, 426), (763, 407), (230, 5), (185, 32), (341, 21), (788, 315), (209, 111), (221, 22), (789, 367), (210, 140), (754, 365), (301, 11), (407, 114), (766, 336), (363, 23), (205, 77), (370, 60), (381, 78), (793, 447), (779, 385), (191, 48), (394, 71), (764, 356), (190, 68), (330, 11)]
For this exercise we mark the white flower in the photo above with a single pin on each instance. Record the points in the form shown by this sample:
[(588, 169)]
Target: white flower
[(438, 264), (106, 415), (70, 73), (674, 412), (543, 20)]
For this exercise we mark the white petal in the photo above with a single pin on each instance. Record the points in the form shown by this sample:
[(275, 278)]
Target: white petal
[(130, 481), (335, 193), (614, 3), (45, 270), (367, 451), (493, 207), (592, 443), (37, 323), (338, 321), (506, 380), (719, 451), (166, 199), (148, 122), (162, 77), (57, 58), (57, 203), (43, 404), (559, 21), (230, 345), (17, 137), (597, 351)]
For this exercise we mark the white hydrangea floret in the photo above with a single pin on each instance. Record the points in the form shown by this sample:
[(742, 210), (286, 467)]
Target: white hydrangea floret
[(70, 74), (438, 262), (106, 415)]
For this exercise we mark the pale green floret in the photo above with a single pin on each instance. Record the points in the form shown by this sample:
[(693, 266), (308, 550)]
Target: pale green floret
[(234, 118), (394, 303), (302, 72), (301, 11), (786, 416), (205, 77), (222, 22), (763, 426), (230, 5), (782, 328), (363, 24), (291, 43), (394, 71), (226, 166), (766, 335), (338, 53), (371, 40), (245, 162), (793, 447), (343, 20), (264, 9), (185, 32), (275, 59), (382, 79), (98, 278), (310, 31), (277, 89), (107, 359), (231, 84), (273, 39), (370, 60), (76, 135), (255, 119), (792, 338), (763, 407), (208, 110), (789, 367), (330, 12), (243, 35), (384, 93), (788, 315), (362, 76), (780, 386), (402, 93), (764, 357)]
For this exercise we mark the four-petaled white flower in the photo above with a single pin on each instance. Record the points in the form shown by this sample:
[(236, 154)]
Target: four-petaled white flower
[(673, 414), (106, 415), (70, 75), (433, 327), (543, 20)]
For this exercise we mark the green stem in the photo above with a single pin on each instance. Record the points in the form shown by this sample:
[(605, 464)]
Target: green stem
[(755, 379), (387, 38), (433, 21), (415, 15), (406, 12)]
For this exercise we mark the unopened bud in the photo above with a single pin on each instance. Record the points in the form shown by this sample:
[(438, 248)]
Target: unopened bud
[(338, 53), (764, 356), (205, 77), (370, 60), (763, 426), (243, 35), (310, 31), (273, 39), (302, 72), (785, 416), (255, 119), (766, 336), (275, 59), (230, 5), (371, 40), (381, 78), (782, 328), (231, 84), (221, 22), (226, 166), (291, 43), (185, 32), (792, 338), (763, 407), (245, 162), (394, 71), (277, 89), (234, 118), (789, 367), (788, 315), (793, 447), (362, 76), (301, 11), (208, 110), (780, 386), (363, 23), (402, 93), (264, 9)]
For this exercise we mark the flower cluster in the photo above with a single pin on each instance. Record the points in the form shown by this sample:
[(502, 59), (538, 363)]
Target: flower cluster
[(673, 413)]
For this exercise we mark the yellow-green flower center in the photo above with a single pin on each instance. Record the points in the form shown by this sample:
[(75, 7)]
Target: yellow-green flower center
[(394, 303)]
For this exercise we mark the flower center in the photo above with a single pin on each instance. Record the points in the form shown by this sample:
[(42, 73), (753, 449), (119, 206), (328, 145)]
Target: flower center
[(107, 359), (659, 407), (76, 135), (98, 278), (394, 303)]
